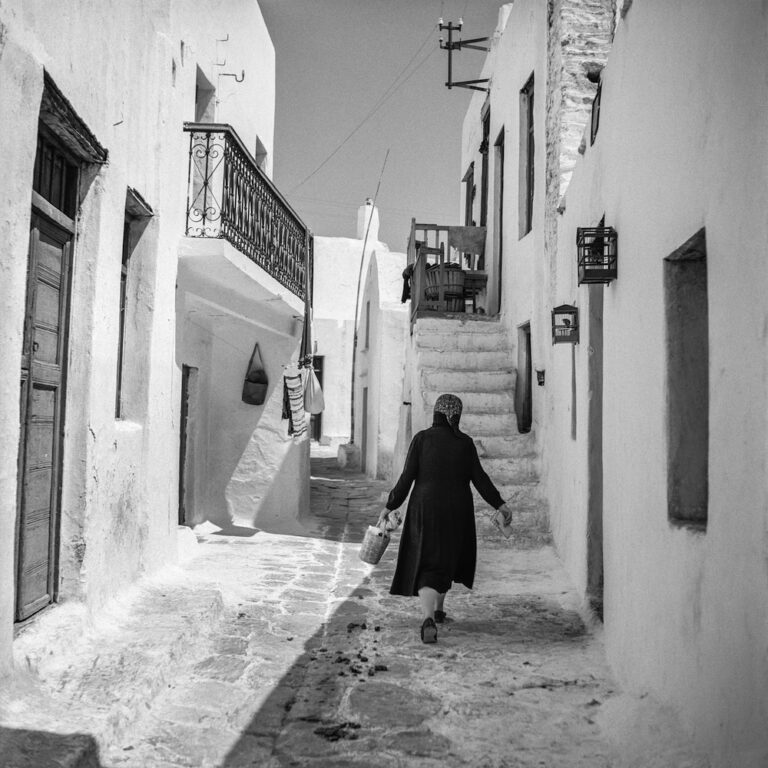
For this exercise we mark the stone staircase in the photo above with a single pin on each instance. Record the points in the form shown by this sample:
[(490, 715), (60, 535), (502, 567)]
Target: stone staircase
[(470, 357)]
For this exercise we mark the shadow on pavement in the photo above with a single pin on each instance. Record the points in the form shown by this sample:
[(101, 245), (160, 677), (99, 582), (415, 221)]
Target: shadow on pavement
[(356, 694), (23, 748)]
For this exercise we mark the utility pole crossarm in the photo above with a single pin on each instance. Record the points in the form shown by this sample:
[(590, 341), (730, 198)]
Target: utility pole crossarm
[(452, 45)]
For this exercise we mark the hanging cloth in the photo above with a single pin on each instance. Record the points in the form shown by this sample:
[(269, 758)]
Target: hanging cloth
[(297, 424), (314, 402)]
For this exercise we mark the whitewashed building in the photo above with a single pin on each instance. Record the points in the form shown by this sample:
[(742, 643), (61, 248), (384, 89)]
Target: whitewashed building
[(120, 409), (649, 423), (382, 340)]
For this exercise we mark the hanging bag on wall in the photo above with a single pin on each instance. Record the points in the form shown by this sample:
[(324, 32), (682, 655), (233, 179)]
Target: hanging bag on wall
[(256, 381), (314, 402)]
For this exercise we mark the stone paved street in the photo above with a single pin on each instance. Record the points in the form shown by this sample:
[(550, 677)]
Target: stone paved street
[(310, 662)]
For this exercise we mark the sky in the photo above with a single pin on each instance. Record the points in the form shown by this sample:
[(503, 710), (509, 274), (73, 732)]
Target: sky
[(336, 60)]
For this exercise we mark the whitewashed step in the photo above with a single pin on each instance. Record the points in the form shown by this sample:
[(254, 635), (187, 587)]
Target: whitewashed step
[(513, 445), (518, 496), (476, 402), (488, 423), (491, 341), (457, 324), (512, 471), (436, 379), (466, 360)]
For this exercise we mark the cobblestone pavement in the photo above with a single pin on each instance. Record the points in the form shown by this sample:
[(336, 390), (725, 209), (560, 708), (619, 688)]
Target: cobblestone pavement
[(313, 663), (317, 665)]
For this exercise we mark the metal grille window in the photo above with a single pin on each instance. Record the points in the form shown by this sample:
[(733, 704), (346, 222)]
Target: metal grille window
[(526, 157)]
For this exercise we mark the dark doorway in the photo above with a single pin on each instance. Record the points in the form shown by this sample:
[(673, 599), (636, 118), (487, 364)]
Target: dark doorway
[(188, 387), (498, 218), (43, 382), (316, 420), (364, 440), (524, 386), (595, 453)]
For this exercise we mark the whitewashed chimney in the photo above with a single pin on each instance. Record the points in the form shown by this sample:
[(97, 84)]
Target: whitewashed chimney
[(365, 212)]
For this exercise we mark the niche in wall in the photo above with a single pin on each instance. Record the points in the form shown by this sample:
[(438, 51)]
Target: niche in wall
[(687, 353)]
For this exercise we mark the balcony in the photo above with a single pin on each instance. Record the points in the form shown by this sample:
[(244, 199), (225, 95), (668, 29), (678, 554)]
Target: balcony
[(230, 198), (447, 269)]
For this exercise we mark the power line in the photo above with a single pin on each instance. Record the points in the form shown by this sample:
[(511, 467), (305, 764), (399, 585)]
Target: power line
[(388, 93)]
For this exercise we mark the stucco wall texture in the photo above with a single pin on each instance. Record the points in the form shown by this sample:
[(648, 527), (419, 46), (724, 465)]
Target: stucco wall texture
[(380, 364), (680, 146), (337, 271), (129, 70), (685, 611)]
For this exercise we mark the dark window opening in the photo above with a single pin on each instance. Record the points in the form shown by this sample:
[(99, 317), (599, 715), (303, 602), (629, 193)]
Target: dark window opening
[(595, 114), (137, 213), (526, 157), (484, 171), (687, 324), (205, 99), (55, 175), (524, 385), (469, 196), (367, 324)]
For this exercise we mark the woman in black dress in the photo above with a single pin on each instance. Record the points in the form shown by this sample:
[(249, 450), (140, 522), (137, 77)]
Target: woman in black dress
[(438, 544)]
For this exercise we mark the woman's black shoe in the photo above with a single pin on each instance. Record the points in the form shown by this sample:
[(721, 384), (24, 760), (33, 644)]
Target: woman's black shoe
[(428, 631), (440, 617)]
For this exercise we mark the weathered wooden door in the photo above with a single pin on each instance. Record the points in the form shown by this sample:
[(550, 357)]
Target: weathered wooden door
[(43, 367)]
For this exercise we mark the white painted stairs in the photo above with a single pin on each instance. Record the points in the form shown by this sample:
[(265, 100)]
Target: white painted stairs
[(470, 357)]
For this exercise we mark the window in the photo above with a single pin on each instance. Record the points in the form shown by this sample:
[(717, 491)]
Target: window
[(595, 113), (137, 213), (121, 333), (205, 99), (526, 158), (469, 196), (261, 155), (367, 324), (687, 325), (55, 175), (484, 176)]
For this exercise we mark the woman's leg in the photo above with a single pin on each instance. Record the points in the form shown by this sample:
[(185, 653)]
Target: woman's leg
[(440, 601), (429, 600)]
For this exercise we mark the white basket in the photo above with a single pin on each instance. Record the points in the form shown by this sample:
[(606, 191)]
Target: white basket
[(374, 543)]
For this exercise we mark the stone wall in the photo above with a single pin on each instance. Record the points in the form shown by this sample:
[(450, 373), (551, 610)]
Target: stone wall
[(578, 41)]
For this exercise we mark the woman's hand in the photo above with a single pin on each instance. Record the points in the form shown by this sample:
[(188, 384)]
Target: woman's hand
[(507, 512), (389, 519)]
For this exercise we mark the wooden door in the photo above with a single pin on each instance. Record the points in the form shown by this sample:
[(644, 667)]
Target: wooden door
[(43, 368)]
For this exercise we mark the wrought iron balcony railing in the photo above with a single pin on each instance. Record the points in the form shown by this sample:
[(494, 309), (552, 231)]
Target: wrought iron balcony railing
[(230, 197)]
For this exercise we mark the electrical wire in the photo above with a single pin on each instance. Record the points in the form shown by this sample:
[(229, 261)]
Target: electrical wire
[(388, 93)]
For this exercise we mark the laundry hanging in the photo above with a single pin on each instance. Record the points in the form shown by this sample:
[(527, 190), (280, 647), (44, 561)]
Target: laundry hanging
[(314, 402), (293, 404)]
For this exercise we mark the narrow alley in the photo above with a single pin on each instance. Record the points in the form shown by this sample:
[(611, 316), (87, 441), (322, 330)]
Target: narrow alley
[(286, 650)]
